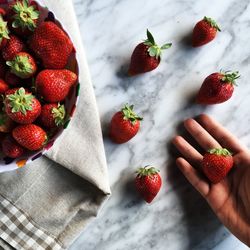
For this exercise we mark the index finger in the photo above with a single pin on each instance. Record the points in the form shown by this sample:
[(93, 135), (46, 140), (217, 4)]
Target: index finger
[(221, 134)]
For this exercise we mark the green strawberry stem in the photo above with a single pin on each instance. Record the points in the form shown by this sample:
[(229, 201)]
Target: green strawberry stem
[(59, 115), (220, 151), (130, 115), (154, 50), (20, 101), (20, 66), (147, 171), (25, 15), (212, 23), (4, 32), (230, 77)]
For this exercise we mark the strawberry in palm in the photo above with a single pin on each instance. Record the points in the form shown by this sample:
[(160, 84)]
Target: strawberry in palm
[(217, 87), (216, 164), (21, 106), (4, 32), (148, 183), (23, 17), (23, 65), (125, 124), (30, 136), (146, 56), (204, 32), (52, 115)]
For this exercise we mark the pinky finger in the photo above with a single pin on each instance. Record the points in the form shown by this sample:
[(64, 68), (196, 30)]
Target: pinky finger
[(193, 176)]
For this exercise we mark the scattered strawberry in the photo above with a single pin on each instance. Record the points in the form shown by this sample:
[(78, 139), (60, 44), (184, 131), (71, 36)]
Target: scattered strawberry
[(51, 45), (23, 17), (217, 87), (204, 32), (6, 124), (23, 65), (124, 125), (146, 56), (148, 183), (3, 86), (21, 106), (2, 68), (52, 115), (216, 164), (4, 33), (14, 45), (12, 80), (30, 136), (54, 85), (11, 148)]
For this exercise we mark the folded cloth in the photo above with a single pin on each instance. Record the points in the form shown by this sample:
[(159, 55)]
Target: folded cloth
[(46, 204)]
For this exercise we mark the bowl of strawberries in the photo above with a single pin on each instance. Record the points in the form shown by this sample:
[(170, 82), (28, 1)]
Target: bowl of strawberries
[(38, 82)]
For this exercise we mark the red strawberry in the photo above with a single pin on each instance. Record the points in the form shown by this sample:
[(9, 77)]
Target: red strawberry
[(216, 164), (13, 46), (6, 124), (52, 115), (2, 68), (21, 106), (2, 12), (12, 79), (204, 32), (3, 86), (30, 136), (23, 17), (146, 56), (54, 85), (51, 45), (124, 125), (217, 88), (148, 183), (22, 65), (11, 148), (4, 32)]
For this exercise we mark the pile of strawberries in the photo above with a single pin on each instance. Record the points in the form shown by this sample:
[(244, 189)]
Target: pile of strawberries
[(34, 81), (216, 88)]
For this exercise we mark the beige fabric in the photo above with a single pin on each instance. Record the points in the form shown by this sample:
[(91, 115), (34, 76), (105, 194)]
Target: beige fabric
[(62, 192)]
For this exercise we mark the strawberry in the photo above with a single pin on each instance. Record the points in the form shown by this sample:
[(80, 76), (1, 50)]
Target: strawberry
[(2, 12), (148, 183), (11, 148), (12, 80), (54, 85), (3, 86), (146, 56), (204, 32), (23, 17), (6, 124), (217, 87), (30, 136), (51, 45), (13, 46), (21, 106), (124, 125), (22, 65), (4, 33), (216, 164), (52, 115)]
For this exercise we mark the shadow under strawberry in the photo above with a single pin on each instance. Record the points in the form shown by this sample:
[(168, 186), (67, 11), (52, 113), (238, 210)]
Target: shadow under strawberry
[(200, 223)]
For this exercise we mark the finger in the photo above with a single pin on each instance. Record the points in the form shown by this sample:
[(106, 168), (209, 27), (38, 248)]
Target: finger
[(193, 176), (201, 135), (187, 150), (222, 135)]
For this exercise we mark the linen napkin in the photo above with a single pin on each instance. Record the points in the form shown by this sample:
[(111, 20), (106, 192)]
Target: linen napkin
[(46, 204)]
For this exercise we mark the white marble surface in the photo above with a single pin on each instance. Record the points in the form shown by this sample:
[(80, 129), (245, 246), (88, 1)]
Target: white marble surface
[(178, 219)]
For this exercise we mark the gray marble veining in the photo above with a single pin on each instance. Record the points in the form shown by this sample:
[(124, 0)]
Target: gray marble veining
[(178, 219)]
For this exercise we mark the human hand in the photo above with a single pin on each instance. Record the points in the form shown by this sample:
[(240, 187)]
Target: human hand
[(229, 199)]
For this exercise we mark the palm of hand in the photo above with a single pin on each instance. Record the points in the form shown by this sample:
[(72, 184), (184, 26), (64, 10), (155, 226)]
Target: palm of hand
[(229, 199)]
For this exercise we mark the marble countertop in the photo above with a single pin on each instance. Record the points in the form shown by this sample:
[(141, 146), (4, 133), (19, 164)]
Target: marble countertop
[(178, 219)]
